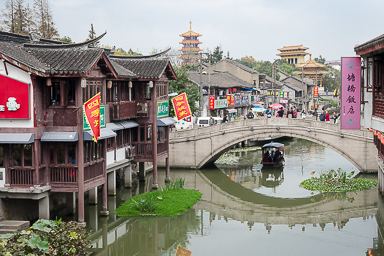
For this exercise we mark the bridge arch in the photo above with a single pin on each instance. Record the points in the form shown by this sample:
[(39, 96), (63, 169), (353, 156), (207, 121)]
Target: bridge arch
[(204, 145)]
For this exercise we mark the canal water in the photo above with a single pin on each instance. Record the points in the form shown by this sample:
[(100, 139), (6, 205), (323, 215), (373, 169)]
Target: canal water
[(248, 210)]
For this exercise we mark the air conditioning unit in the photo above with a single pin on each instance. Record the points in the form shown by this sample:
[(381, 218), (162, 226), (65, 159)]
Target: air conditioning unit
[(2, 177), (142, 108)]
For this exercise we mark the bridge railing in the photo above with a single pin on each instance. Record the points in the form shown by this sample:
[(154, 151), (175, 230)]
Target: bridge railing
[(309, 123)]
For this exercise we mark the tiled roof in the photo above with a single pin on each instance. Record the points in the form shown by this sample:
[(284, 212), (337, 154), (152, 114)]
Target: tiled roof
[(370, 43), (143, 68), (218, 79), (64, 61), (294, 87), (243, 67), (285, 80), (293, 47), (121, 71), (18, 53), (21, 39)]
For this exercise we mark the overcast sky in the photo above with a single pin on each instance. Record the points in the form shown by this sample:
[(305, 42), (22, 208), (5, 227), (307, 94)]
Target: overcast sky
[(257, 28)]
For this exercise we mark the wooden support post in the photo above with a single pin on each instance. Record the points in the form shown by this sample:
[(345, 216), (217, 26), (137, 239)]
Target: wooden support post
[(128, 176), (93, 195), (155, 185), (44, 207), (105, 211), (71, 203)]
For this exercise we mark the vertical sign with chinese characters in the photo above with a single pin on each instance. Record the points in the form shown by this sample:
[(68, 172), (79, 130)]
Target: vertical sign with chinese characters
[(181, 106), (211, 101), (91, 110), (228, 99), (350, 93), (315, 91), (14, 99)]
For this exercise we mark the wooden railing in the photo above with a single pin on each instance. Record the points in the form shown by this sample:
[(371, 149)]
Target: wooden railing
[(143, 150), (123, 110), (21, 176), (63, 174), (94, 170), (162, 147)]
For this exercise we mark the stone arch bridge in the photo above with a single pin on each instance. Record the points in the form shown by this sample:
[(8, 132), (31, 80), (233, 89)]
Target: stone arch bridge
[(199, 147)]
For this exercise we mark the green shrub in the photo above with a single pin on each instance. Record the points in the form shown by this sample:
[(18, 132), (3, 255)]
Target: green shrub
[(46, 237)]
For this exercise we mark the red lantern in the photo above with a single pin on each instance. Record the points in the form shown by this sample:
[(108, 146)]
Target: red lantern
[(370, 129), (234, 90), (375, 132), (229, 90)]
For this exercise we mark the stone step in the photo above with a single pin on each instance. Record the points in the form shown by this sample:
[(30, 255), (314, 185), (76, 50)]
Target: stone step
[(15, 225), (1, 218), (7, 231)]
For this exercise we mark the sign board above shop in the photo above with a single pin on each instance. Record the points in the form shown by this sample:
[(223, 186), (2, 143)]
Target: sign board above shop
[(14, 99), (221, 104), (162, 108)]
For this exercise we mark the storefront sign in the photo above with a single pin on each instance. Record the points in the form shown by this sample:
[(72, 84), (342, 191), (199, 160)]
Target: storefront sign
[(211, 101), (315, 91), (283, 101), (91, 109), (350, 93), (86, 126), (232, 100), (181, 106), (14, 99), (285, 94), (237, 99), (221, 104), (245, 99), (162, 108), (281, 94)]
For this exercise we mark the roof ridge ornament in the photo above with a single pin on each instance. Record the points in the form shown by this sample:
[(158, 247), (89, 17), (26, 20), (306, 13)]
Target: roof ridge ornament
[(34, 37)]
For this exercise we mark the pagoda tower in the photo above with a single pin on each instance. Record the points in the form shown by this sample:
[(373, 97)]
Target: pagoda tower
[(313, 70), (190, 50), (293, 54)]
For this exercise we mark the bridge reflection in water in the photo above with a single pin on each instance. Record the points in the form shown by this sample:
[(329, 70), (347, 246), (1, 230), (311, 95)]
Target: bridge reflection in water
[(225, 201)]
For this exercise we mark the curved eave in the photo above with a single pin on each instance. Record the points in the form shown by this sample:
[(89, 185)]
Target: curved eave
[(191, 33), (140, 56), (190, 49), (65, 46), (190, 42), (292, 54), (23, 66)]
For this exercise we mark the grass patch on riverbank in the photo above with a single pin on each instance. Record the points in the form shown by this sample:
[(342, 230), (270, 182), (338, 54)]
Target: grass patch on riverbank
[(337, 181), (170, 200)]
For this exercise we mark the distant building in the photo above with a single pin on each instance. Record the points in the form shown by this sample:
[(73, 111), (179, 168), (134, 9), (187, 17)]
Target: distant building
[(190, 50), (293, 54), (313, 70)]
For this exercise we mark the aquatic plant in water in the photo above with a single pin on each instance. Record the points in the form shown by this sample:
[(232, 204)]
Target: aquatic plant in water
[(337, 181)]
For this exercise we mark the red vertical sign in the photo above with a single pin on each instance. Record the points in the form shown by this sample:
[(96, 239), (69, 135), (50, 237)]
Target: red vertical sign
[(91, 109), (211, 101), (229, 99), (315, 91)]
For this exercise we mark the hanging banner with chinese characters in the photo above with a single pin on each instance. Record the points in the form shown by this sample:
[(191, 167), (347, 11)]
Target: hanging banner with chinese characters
[(211, 101), (315, 91), (181, 106), (91, 110), (350, 93), (229, 99)]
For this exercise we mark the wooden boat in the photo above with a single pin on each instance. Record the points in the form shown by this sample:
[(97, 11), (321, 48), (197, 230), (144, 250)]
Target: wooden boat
[(273, 154)]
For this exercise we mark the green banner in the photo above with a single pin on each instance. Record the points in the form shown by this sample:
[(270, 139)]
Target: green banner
[(86, 126), (162, 108)]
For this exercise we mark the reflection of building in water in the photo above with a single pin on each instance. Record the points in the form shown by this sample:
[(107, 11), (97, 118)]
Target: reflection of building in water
[(378, 242)]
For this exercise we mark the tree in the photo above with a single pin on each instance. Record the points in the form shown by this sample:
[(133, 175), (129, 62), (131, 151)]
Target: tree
[(44, 20), (182, 84), (21, 22), (332, 80), (66, 39), (92, 35), (8, 16), (217, 55)]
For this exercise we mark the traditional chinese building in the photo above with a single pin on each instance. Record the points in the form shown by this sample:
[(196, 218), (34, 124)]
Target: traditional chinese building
[(46, 148), (313, 70), (293, 54), (190, 50), (372, 98)]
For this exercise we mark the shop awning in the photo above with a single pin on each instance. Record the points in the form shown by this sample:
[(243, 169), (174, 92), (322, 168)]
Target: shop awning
[(105, 133), (166, 121), (129, 124), (17, 138), (60, 136), (114, 126), (232, 110), (251, 89)]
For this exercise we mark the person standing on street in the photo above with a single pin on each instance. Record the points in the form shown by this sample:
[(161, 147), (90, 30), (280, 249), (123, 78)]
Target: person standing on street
[(280, 112), (322, 116), (315, 113), (303, 115), (335, 116), (211, 121), (250, 114), (225, 119), (327, 117)]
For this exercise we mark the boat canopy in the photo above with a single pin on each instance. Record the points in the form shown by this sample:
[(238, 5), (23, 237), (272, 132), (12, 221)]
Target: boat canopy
[(274, 145)]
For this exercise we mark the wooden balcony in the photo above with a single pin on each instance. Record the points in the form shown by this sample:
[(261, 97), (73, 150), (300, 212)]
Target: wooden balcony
[(124, 110), (63, 174), (144, 151), (21, 176)]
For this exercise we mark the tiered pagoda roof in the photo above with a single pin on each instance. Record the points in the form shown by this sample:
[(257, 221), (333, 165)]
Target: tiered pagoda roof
[(190, 47), (298, 50)]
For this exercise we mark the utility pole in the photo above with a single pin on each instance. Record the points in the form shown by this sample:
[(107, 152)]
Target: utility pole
[(209, 82), (274, 82)]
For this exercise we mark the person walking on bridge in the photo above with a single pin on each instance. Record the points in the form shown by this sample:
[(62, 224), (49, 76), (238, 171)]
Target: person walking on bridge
[(327, 117), (280, 112), (250, 114)]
